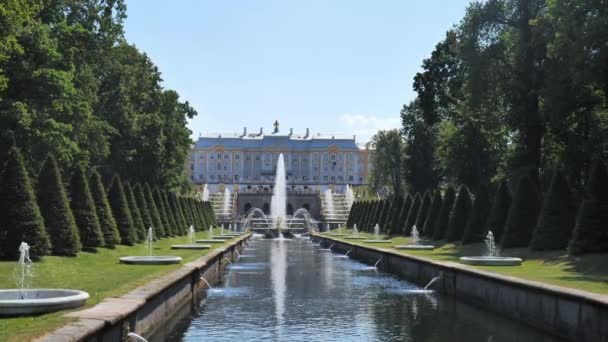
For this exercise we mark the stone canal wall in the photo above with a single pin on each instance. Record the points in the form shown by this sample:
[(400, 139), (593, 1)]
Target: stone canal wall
[(567, 313), (152, 309)]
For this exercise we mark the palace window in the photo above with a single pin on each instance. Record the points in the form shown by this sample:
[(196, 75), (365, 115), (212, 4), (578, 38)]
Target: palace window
[(225, 156), (219, 166), (350, 178), (219, 156)]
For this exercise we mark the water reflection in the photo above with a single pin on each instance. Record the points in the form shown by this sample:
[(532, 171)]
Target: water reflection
[(291, 291)]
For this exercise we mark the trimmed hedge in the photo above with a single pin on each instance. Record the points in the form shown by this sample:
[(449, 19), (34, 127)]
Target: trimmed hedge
[(141, 230), (432, 215), (591, 230), (108, 225), (163, 212), (395, 212), (121, 211), (476, 225), (405, 209), (500, 211), (459, 215), (412, 214), (83, 208), (557, 217), (159, 228), (423, 212), (55, 208), (441, 224), (522, 215)]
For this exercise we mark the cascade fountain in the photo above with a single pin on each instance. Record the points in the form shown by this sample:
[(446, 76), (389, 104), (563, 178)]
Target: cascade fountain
[(278, 202), (350, 196), (205, 195), (491, 257), (355, 235), (329, 204), (151, 259), (415, 244), (191, 244), (210, 239), (227, 205), (26, 301), (376, 238)]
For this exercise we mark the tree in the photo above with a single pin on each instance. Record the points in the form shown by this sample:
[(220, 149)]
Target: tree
[(108, 226), (459, 215), (433, 214), (590, 234), (141, 230), (154, 213), (499, 211), (412, 214), (121, 211), (21, 220), (476, 225), (55, 208), (557, 217), (423, 212), (441, 225), (387, 151), (522, 215), (83, 208)]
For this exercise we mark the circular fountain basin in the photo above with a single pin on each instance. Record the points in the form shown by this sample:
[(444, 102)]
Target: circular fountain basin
[(337, 234), (209, 241), (491, 261), (36, 301), (231, 234), (415, 247), (190, 246), (378, 241), (222, 237), (151, 260), (355, 238)]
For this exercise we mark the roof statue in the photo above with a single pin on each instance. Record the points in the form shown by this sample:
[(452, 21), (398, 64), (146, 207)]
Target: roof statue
[(276, 127)]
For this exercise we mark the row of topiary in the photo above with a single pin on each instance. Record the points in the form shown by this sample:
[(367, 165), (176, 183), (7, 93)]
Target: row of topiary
[(521, 219), (59, 221)]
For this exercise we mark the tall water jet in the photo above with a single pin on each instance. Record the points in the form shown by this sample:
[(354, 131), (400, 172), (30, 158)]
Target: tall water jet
[(415, 244), (151, 259), (329, 204), (226, 207), (205, 195), (24, 272), (350, 196), (376, 238), (278, 203)]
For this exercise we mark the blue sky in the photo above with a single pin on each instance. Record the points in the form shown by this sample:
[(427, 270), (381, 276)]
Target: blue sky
[(335, 66)]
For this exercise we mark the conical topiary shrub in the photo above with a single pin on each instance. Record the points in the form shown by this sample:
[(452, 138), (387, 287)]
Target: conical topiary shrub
[(109, 229), (412, 214), (459, 215), (182, 224), (83, 208), (156, 220), (393, 225), (20, 219), (386, 215), (142, 204), (55, 208), (557, 217), (441, 225), (122, 213), (163, 212), (591, 229), (522, 215), (500, 210), (476, 225), (432, 215), (141, 230), (423, 212)]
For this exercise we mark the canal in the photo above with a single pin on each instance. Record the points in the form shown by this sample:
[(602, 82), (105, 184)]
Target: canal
[(291, 290)]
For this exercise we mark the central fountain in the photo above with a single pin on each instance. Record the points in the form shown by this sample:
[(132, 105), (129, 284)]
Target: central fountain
[(151, 259), (278, 202), (416, 245), (26, 301), (491, 258)]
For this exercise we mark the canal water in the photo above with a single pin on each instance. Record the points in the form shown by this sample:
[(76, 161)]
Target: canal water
[(291, 290)]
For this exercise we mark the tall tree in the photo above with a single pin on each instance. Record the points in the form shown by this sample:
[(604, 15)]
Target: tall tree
[(387, 151)]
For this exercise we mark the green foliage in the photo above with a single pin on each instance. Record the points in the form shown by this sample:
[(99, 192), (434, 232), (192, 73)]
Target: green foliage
[(122, 213), (55, 208), (476, 225), (435, 207), (83, 208), (108, 226), (412, 214), (141, 230), (396, 207), (423, 212), (522, 215), (459, 215), (590, 232), (441, 225), (159, 227), (386, 156), (163, 213), (405, 209), (20, 220), (557, 217), (499, 211), (142, 204), (180, 219)]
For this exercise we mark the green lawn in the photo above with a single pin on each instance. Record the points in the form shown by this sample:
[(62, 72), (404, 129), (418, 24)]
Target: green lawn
[(586, 272), (100, 274)]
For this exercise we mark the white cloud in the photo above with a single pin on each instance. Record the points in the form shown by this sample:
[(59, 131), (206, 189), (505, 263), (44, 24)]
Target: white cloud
[(364, 126)]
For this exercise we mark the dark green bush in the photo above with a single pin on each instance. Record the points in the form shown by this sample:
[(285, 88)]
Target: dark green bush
[(121, 212), (433, 214), (412, 214), (476, 225), (500, 210), (441, 224), (522, 215), (423, 212), (109, 229), (83, 208), (459, 215), (141, 230)]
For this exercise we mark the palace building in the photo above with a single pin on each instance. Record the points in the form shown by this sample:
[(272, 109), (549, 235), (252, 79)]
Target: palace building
[(248, 160)]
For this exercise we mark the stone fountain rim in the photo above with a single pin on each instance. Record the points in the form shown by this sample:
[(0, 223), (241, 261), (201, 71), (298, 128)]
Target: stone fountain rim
[(482, 260), (415, 247), (150, 259), (73, 296), (190, 246)]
